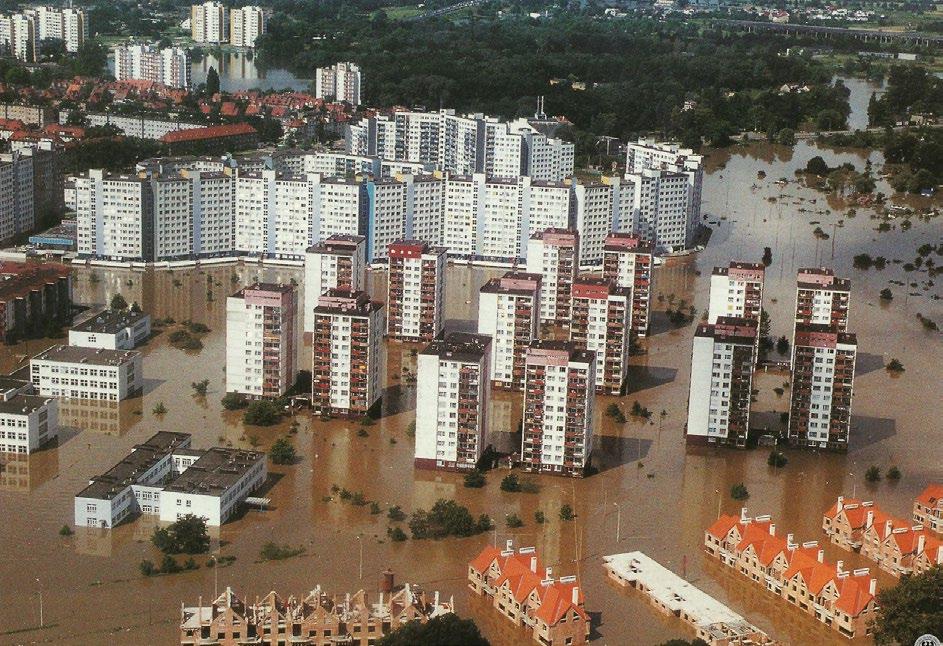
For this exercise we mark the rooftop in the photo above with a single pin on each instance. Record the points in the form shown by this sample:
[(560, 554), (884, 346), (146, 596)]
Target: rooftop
[(822, 336), (337, 244), (548, 347), (91, 356), (17, 279), (513, 282), (141, 458), (23, 404), (110, 321), (343, 301), (215, 471), (212, 132), (459, 346)]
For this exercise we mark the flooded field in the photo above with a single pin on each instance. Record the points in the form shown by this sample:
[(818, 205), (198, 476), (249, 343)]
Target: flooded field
[(663, 493)]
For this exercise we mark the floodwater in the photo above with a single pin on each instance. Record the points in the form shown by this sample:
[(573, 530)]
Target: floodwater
[(860, 94), (660, 494), (238, 71)]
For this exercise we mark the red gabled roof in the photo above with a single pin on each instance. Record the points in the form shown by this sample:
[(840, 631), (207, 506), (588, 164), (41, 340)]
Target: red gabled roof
[(558, 600), (804, 562), (766, 545), (931, 496), (854, 594), (483, 561), (723, 525), (213, 132)]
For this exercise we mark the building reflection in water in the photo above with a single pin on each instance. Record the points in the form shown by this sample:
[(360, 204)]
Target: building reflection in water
[(98, 416), (24, 473)]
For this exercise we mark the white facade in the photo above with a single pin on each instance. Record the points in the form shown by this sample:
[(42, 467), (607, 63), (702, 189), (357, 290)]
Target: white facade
[(16, 194), (86, 373), (340, 81), (67, 24), (509, 313), (141, 127), (452, 397), (415, 291), (736, 291), (261, 340), (209, 22), (338, 261), (19, 34), (554, 254), (112, 331), (246, 25), (27, 422), (169, 66), (115, 216)]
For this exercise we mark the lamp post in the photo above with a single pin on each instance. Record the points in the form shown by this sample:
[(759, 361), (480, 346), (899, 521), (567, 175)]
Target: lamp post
[(360, 540), (717, 491), (40, 603)]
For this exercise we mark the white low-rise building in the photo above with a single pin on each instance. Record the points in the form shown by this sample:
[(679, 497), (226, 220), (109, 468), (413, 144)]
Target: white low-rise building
[(87, 373), (164, 477), (112, 330), (27, 422)]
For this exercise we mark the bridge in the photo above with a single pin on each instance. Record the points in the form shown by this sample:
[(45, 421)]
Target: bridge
[(867, 35)]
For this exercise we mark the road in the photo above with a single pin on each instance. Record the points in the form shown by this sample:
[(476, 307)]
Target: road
[(446, 10)]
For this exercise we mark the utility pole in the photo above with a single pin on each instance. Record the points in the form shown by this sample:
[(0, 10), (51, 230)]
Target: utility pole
[(618, 520), (41, 623)]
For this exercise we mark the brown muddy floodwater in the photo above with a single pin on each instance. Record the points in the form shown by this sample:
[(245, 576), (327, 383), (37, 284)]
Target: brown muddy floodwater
[(92, 590)]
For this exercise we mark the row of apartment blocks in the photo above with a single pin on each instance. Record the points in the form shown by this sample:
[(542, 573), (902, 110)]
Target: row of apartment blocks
[(22, 32), (176, 209), (31, 296), (842, 600), (338, 83), (315, 619), (31, 186), (215, 23), (525, 592), (897, 545), (726, 350), (166, 478), (169, 66)]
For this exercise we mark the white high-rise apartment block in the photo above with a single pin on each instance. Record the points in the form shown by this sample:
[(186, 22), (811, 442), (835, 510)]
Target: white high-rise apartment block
[(554, 254), (628, 262), (261, 340), (600, 321), (209, 22), (509, 313), (822, 298), (452, 394), (16, 194), (415, 291), (387, 216), (340, 82), (347, 365), (736, 290), (246, 25), (463, 144), (339, 261), (87, 373), (665, 182), (115, 216), (547, 205), (721, 382), (823, 375), (19, 34), (169, 66), (558, 408), (67, 24), (27, 422), (593, 208), (425, 198), (213, 230)]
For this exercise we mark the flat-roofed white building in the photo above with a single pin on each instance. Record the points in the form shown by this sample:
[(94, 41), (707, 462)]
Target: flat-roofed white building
[(87, 373), (339, 261), (112, 330), (737, 291), (555, 255), (509, 312), (339, 82), (601, 321), (209, 22), (246, 24), (452, 396), (27, 422), (415, 291)]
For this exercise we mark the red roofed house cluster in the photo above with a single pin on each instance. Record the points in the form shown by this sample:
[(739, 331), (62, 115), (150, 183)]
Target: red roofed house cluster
[(928, 508), (844, 601), (528, 595), (895, 544)]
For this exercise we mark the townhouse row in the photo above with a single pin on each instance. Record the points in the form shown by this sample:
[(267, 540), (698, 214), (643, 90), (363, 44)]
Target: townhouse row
[(842, 600)]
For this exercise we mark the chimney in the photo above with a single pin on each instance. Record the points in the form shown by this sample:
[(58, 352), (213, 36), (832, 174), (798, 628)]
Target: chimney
[(870, 520), (436, 604), (533, 564), (839, 566), (743, 514), (873, 587), (509, 545), (547, 573), (921, 541), (888, 528), (839, 505), (576, 595), (821, 556), (772, 529)]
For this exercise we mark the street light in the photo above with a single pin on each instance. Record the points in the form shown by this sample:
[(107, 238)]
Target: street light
[(40, 603), (854, 486), (360, 540), (618, 520), (717, 491)]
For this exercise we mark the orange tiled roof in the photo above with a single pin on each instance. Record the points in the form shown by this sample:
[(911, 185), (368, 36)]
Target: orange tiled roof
[(806, 565), (557, 601), (723, 525), (766, 545), (854, 594), (931, 496), (199, 134)]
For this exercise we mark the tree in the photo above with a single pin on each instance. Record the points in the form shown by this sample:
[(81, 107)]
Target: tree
[(200, 387), (135, 308), (895, 366), (234, 401), (444, 630), (118, 303), (212, 81), (282, 451), (886, 295), (262, 412), (539, 517), (817, 166), (160, 409), (767, 256), (739, 492), (910, 609), (776, 459), (147, 567), (510, 483), (474, 479), (188, 536), (873, 474), (613, 411), (786, 137), (65, 530), (566, 512), (782, 346), (446, 518), (513, 521), (893, 474)]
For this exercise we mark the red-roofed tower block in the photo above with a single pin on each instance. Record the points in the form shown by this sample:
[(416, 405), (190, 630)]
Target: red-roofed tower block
[(526, 593)]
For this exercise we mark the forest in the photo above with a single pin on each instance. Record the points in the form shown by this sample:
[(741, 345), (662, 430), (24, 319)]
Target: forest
[(617, 78)]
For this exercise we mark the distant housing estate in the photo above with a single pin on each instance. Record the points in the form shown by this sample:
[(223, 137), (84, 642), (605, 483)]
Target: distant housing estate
[(31, 296)]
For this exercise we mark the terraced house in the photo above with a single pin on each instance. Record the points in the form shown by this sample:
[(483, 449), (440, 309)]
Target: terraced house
[(928, 508), (842, 600), (527, 594)]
